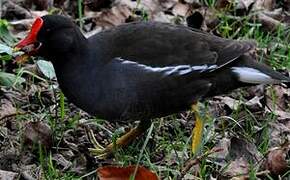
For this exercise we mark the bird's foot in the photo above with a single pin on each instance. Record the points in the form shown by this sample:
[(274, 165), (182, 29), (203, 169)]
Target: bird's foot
[(101, 152), (98, 150)]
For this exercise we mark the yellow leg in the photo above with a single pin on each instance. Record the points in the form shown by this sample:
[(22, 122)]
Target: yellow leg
[(101, 152), (197, 133)]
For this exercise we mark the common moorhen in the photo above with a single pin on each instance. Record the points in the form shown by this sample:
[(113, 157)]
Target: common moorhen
[(143, 70)]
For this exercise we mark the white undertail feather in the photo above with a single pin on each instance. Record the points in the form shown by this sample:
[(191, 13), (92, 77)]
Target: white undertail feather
[(253, 76)]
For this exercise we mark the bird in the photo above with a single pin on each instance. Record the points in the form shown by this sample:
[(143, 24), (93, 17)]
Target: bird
[(141, 71)]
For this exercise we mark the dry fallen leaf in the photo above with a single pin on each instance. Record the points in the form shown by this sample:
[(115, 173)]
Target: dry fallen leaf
[(37, 133), (6, 108), (11, 10), (21, 25), (124, 173), (276, 101), (220, 4), (111, 17), (254, 104), (237, 167), (152, 7), (233, 104), (276, 161), (62, 161), (223, 145), (282, 115), (39, 4), (97, 5), (264, 4), (8, 175), (269, 23), (36, 14), (244, 5), (241, 148), (235, 157), (210, 18), (279, 133), (181, 9), (263, 8)]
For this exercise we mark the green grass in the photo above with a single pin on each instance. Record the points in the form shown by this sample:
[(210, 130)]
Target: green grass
[(243, 28), (49, 168), (168, 136)]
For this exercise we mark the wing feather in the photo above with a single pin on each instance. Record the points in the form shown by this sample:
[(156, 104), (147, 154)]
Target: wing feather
[(159, 45), (178, 70)]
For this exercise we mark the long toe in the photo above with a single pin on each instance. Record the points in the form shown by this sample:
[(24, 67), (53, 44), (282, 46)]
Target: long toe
[(101, 152), (98, 150)]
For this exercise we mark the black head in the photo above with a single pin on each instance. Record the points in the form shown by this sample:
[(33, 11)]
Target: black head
[(51, 35)]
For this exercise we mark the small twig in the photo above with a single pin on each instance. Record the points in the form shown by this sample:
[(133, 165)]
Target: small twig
[(12, 115), (88, 174), (246, 176), (191, 162)]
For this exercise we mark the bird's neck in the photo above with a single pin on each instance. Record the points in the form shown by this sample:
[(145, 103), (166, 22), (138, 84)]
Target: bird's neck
[(74, 56)]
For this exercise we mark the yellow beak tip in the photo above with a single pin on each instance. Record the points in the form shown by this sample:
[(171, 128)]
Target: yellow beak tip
[(16, 49)]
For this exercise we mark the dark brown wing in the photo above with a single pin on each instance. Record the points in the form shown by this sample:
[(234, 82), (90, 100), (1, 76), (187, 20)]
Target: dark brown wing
[(160, 44)]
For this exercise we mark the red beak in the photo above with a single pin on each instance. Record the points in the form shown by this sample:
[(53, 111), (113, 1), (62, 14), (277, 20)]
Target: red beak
[(31, 38), (29, 44)]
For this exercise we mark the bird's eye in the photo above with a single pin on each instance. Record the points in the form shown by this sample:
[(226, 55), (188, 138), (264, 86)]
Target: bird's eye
[(37, 45)]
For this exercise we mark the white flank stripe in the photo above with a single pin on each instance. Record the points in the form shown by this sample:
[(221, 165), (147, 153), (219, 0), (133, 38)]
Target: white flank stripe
[(172, 70), (251, 75)]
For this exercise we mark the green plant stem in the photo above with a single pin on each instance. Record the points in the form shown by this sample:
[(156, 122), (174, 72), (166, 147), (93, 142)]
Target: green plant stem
[(80, 13)]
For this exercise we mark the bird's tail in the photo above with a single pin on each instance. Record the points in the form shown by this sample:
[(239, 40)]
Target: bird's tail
[(248, 70)]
